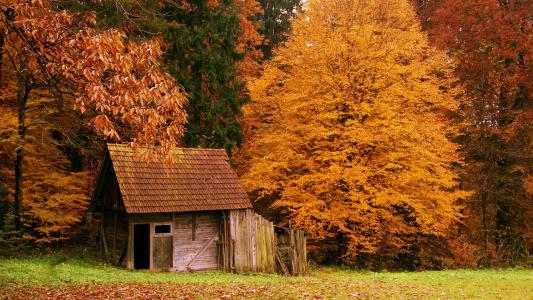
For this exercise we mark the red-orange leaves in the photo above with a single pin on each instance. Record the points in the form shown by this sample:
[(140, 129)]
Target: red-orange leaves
[(250, 39), (133, 90), (118, 82)]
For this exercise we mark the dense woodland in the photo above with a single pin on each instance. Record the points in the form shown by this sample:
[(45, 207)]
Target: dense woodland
[(396, 133)]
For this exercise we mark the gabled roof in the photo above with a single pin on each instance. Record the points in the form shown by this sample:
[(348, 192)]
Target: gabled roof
[(195, 180)]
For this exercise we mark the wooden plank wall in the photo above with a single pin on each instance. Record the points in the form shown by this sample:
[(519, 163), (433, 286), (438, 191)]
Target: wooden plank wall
[(292, 252), (253, 242), (298, 257), (195, 241), (252, 245), (237, 241), (115, 230), (113, 219), (265, 243), (163, 242)]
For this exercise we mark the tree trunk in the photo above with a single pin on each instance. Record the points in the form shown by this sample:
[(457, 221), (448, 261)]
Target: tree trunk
[(10, 16), (22, 97), (2, 43), (485, 226)]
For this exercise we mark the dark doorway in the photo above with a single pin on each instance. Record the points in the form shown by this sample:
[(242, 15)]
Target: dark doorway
[(141, 246)]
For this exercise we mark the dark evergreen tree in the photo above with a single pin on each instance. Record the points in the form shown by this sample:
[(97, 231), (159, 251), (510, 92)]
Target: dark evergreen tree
[(276, 22), (201, 54)]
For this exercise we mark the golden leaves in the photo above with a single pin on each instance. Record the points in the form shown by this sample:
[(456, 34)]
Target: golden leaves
[(348, 139)]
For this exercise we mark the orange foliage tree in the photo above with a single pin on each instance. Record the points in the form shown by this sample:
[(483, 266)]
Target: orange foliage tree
[(117, 83), (250, 40), (351, 130)]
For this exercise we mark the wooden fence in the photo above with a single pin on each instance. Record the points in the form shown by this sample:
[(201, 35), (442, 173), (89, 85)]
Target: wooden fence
[(291, 251), (249, 243)]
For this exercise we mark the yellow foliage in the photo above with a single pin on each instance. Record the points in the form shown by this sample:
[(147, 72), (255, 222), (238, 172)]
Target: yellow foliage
[(352, 128), (55, 199), (528, 183)]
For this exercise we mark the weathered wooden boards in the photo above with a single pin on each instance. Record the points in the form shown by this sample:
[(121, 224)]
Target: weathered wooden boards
[(191, 245), (195, 241), (253, 242), (238, 241), (254, 246), (298, 257), (292, 252), (114, 229), (265, 242)]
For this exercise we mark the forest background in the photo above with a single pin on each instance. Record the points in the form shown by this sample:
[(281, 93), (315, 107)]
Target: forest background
[(398, 134)]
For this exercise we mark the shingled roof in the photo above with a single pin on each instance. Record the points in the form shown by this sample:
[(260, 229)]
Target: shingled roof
[(195, 180)]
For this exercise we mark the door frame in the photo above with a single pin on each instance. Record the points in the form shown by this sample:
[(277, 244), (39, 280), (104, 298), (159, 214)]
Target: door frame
[(151, 237)]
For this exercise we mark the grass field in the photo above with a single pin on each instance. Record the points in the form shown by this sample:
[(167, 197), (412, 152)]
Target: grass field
[(62, 278)]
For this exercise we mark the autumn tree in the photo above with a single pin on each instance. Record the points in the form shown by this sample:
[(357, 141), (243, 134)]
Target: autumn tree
[(56, 189), (492, 43), (352, 128), (57, 59), (211, 47), (250, 41)]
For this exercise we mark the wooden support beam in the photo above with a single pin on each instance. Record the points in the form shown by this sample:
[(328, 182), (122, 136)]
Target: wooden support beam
[(225, 239), (114, 236), (102, 233), (152, 246), (173, 238), (129, 254)]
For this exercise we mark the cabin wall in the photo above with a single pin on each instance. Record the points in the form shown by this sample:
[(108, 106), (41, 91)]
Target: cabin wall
[(192, 246), (113, 221), (253, 245), (161, 252), (195, 241), (114, 229), (236, 240)]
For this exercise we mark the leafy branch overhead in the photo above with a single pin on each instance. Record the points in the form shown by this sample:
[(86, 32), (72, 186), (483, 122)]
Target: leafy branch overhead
[(118, 82)]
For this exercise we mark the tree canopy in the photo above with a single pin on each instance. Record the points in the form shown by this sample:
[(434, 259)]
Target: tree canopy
[(353, 126), (492, 43)]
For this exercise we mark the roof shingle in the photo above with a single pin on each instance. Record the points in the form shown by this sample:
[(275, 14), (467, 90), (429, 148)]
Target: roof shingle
[(195, 180)]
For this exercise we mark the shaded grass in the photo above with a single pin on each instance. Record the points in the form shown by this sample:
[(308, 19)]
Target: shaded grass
[(59, 277)]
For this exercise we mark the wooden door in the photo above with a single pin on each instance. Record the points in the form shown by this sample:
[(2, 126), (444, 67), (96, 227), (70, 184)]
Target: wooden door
[(162, 253), (162, 250)]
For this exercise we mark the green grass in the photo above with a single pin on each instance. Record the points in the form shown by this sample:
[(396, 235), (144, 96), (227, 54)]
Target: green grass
[(53, 277)]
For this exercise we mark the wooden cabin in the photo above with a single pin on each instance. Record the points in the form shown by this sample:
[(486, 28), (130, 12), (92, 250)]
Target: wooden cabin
[(185, 214)]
